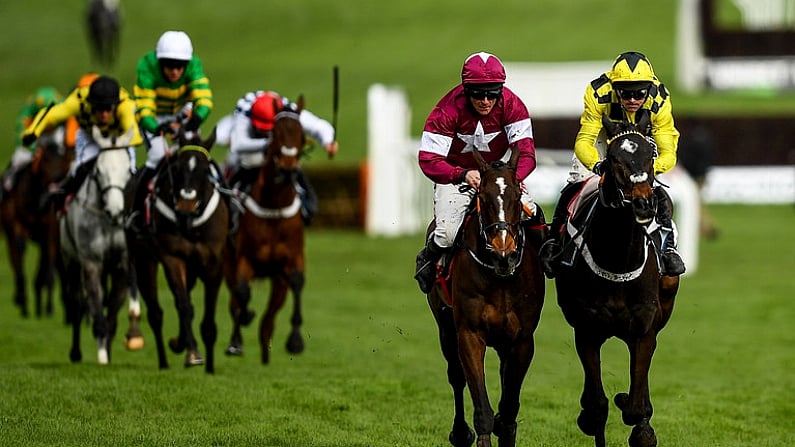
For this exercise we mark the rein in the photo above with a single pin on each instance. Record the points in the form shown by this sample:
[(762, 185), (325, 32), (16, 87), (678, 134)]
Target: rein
[(500, 225)]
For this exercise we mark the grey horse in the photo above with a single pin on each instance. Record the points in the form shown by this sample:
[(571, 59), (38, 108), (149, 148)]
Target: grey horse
[(94, 250)]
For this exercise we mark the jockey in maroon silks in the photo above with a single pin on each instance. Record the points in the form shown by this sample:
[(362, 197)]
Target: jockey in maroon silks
[(479, 114)]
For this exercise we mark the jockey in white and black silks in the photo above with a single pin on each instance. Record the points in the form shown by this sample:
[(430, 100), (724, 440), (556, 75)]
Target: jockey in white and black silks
[(627, 91), (480, 114), (248, 130)]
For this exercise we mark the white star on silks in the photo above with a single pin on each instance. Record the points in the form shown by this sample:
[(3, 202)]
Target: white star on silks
[(477, 140)]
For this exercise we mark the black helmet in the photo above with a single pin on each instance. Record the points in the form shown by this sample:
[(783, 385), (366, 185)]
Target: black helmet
[(104, 91)]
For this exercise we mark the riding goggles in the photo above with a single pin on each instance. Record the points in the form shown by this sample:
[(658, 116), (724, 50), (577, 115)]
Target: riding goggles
[(633, 94), (490, 94), (173, 63)]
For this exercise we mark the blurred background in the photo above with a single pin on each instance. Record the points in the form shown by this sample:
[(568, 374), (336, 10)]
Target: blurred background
[(729, 64)]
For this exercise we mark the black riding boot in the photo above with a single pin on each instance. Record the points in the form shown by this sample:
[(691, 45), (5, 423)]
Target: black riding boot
[(136, 220), (426, 265), (69, 185), (243, 178), (551, 248), (308, 197), (672, 263)]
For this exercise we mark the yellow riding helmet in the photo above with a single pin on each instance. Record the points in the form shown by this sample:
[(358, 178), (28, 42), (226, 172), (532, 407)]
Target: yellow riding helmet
[(632, 66)]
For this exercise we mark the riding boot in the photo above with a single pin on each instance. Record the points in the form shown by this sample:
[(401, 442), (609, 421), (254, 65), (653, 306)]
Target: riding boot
[(69, 185), (551, 248), (308, 197), (536, 227), (673, 265), (136, 221), (426, 265), (243, 178)]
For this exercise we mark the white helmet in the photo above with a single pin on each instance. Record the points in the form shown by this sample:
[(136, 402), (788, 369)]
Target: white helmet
[(174, 45)]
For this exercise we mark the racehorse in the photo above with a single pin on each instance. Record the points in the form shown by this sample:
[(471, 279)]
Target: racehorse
[(491, 295), (188, 237), (94, 250), (611, 286), (103, 23), (270, 241), (24, 219)]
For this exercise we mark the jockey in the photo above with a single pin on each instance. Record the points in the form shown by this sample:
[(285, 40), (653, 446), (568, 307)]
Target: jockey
[(247, 132), (40, 100), (171, 91), (628, 90), (105, 114), (480, 114)]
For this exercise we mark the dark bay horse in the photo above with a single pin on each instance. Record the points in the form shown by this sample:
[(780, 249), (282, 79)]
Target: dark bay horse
[(103, 29), (492, 298), (189, 224), (612, 287), (94, 250), (270, 241), (24, 219)]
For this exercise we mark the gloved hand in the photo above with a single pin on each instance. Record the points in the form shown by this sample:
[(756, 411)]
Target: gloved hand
[(599, 168), (164, 129), (193, 123), (28, 139)]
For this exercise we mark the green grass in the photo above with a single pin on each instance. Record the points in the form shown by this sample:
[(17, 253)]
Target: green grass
[(373, 375), (292, 46)]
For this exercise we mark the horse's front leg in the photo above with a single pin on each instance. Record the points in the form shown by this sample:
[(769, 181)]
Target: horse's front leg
[(240, 296), (116, 297), (295, 341), (275, 302), (472, 351), (92, 283), (146, 283), (208, 327), (177, 276), (514, 363), (461, 434), (593, 416), (636, 408), (16, 251)]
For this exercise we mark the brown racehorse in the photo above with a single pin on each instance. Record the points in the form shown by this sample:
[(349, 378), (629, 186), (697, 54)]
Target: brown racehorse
[(188, 237), (270, 241), (492, 297), (24, 219), (611, 287)]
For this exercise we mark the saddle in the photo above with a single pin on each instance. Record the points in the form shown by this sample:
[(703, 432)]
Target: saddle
[(579, 212)]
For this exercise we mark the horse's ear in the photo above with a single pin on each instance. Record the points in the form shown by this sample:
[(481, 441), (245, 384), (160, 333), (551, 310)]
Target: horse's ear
[(479, 159), (611, 128), (210, 141), (514, 160), (300, 103), (181, 139)]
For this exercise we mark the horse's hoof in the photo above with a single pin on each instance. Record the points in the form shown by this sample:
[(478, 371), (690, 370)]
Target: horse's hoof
[(235, 350), (643, 435), (193, 359), (295, 344), (75, 355), (506, 432), (461, 438), (621, 400), (484, 440), (134, 343), (176, 346)]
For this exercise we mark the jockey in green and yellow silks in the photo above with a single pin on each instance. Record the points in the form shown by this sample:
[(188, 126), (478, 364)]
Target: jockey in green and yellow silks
[(171, 92)]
